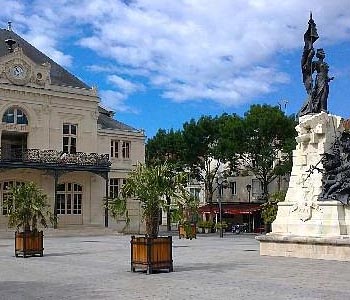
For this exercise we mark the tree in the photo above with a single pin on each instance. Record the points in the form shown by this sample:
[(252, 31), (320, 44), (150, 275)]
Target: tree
[(269, 137), (201, 151), (270, 208), (149, 184), (212, 144), (229, 143), (166, 147)]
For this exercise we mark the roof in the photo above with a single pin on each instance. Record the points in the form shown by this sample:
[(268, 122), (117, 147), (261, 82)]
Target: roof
[(106, 121), (59, 75)]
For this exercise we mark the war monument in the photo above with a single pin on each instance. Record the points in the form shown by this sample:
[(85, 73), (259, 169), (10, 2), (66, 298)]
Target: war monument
[(314, 219)]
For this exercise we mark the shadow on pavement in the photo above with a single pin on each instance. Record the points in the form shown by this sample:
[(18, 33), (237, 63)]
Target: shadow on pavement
[(65, 254)]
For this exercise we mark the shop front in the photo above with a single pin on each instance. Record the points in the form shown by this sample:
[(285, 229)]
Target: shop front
[(247, 216)]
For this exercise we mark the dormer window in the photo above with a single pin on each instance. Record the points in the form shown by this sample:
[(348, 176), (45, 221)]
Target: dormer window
[(15, 115)]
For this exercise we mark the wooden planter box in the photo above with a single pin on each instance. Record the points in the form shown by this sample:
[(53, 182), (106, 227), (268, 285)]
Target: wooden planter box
[(29, 243), (151, 254), (191, 235)]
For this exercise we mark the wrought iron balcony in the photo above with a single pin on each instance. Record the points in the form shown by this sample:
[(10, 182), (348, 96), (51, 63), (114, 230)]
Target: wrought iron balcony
[(42, 159)]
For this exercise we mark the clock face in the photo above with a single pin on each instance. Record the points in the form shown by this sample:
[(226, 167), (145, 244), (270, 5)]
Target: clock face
[(18, 71)]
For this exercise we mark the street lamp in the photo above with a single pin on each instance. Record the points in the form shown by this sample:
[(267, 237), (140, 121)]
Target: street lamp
[(221, 183), (249, 188)]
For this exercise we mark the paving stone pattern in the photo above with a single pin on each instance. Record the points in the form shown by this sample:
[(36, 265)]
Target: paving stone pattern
[(98, 267)]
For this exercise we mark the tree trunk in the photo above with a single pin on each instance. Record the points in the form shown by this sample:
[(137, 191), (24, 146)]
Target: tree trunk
[(168, 214), (265, 185), (26, 227), (208, 193), (152, 225)]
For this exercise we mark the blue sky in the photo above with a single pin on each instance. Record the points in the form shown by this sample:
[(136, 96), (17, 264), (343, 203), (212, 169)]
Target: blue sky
[(159, 63)]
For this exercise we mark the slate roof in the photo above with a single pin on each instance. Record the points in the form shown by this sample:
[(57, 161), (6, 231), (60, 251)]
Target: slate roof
[(59, 76), (106, 121)]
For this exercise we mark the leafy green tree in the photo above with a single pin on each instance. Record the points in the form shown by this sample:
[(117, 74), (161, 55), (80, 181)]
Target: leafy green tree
[(166, 146), (230, 142), (201, 153), (269, 137), (261, 142), (269, 208), (212, 145)]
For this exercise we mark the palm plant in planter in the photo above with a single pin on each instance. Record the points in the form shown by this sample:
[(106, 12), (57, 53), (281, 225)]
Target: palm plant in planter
[(221, 225), (186, 214), (149, 184), (208, 226), (27, 207), (200, 226)]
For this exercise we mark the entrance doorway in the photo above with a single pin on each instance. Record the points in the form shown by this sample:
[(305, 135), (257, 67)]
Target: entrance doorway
[(13, 145)]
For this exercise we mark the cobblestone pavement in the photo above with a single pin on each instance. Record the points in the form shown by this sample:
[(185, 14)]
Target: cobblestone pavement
[(98, 267)]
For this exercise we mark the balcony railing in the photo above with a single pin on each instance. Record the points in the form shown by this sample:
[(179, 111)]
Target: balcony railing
[(54, 157)]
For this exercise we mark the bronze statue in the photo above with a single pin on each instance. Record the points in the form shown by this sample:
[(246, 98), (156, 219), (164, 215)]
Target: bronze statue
[(317, 94), (321, 89), (336, 171)]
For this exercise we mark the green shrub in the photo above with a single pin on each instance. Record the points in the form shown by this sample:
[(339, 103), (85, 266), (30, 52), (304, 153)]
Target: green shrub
[(201, 224), (208, 224), (222, 225), (269, 209)]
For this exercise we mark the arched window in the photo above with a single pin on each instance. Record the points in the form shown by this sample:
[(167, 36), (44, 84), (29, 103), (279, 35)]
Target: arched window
[(69, 199), (15, 115)]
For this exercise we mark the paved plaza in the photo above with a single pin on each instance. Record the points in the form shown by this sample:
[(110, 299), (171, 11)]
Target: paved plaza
[(98, 267)]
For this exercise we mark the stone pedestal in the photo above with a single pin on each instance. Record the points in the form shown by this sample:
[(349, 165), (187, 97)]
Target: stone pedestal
[(305, 226), (325, 218), (329, 248)]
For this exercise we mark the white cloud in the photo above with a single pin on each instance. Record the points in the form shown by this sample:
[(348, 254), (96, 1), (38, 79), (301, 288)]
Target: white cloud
[(124, 85), (115, 100), (109, 69), (225, 51), (11, 11), (41, 26), (48, 46)]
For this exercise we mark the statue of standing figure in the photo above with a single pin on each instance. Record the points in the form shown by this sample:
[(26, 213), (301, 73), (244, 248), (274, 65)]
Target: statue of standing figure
[(316, 101)]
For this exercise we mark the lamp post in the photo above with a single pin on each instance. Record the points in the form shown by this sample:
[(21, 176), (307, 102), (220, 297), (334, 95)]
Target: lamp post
[(221, 183), (249, 188)]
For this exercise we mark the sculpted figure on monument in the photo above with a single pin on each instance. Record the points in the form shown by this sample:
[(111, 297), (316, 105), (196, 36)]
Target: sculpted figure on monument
[(321, 89), (317, 94), (336, 171)]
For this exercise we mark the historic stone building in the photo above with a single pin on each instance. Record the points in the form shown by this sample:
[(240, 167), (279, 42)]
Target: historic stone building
[(55, 133)]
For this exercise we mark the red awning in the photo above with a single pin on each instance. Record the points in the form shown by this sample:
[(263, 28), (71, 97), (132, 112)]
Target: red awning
[(232, 209)]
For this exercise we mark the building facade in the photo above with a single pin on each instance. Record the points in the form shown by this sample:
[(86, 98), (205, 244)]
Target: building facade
[(55, 133), (240, 200)]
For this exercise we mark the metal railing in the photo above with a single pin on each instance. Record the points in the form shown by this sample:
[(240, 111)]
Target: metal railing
[(54, 157)]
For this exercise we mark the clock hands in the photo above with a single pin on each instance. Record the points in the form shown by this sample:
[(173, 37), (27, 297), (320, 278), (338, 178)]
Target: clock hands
[(18, 71)]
